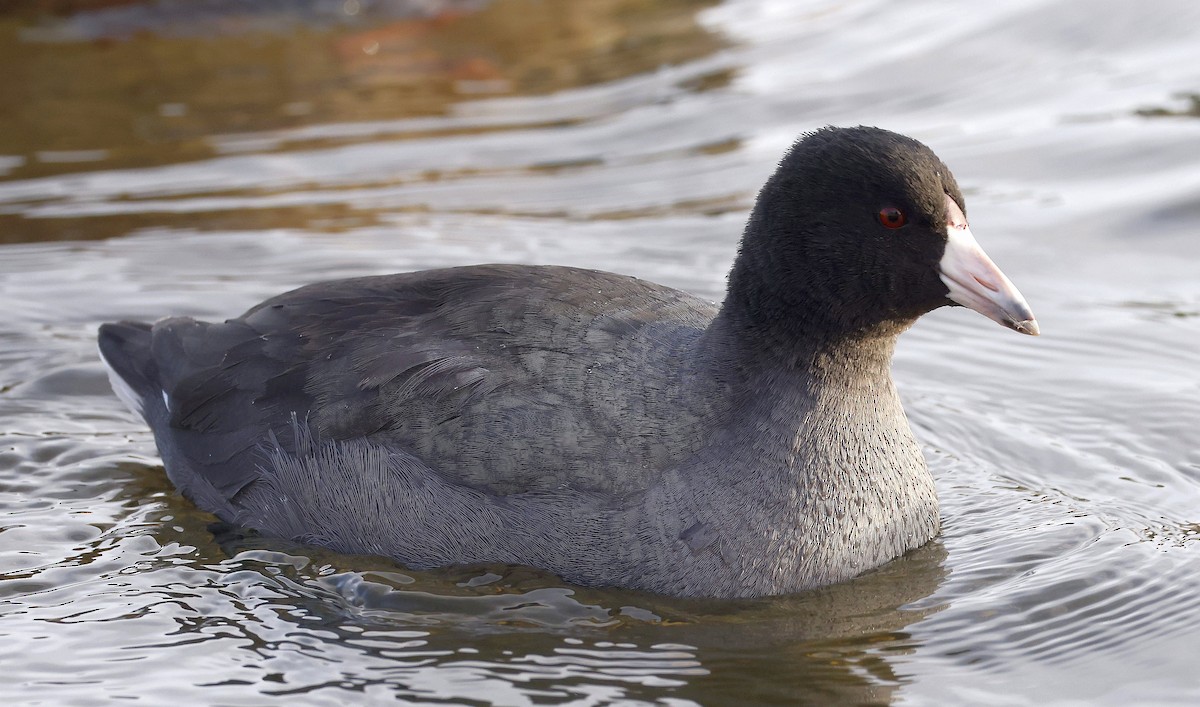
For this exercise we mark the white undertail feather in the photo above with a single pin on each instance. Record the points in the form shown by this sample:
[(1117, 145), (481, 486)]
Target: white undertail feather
[(124, 391)]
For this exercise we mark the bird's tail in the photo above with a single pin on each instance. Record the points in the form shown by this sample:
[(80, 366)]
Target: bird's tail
[(125, 350)]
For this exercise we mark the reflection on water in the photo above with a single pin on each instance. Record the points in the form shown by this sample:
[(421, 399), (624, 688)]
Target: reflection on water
[(228, 151), (159, 83), (335, 109), (1190, 108)]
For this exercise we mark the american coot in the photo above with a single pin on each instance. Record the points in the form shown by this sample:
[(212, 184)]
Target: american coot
[(610, 430)]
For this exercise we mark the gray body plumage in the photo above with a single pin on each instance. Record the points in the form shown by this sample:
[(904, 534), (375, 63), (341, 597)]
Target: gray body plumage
[(607, 429), (594, 426)]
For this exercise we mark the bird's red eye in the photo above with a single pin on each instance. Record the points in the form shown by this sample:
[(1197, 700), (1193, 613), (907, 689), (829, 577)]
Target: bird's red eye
[(891, 217)]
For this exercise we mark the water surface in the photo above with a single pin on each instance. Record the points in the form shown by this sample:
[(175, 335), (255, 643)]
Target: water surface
[(158, 162)]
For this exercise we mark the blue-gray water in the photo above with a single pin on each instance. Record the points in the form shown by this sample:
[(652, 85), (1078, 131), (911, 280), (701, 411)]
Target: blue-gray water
[(1068, 466)]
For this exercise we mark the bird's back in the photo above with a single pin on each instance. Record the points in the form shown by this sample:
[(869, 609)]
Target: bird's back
[(505, 379)]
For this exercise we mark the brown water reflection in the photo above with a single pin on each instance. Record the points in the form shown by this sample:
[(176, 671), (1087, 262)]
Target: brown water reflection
[(1190, 108), (133, 97)]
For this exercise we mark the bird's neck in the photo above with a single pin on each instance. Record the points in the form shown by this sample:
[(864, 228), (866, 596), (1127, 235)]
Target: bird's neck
[(815, 463), (797, 387), (803, 311), (763, 335)]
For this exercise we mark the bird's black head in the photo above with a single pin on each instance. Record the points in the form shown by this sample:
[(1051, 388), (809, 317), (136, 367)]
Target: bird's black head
[(861, 231)]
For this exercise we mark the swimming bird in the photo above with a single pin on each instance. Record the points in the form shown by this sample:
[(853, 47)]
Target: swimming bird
[(610, 430)]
